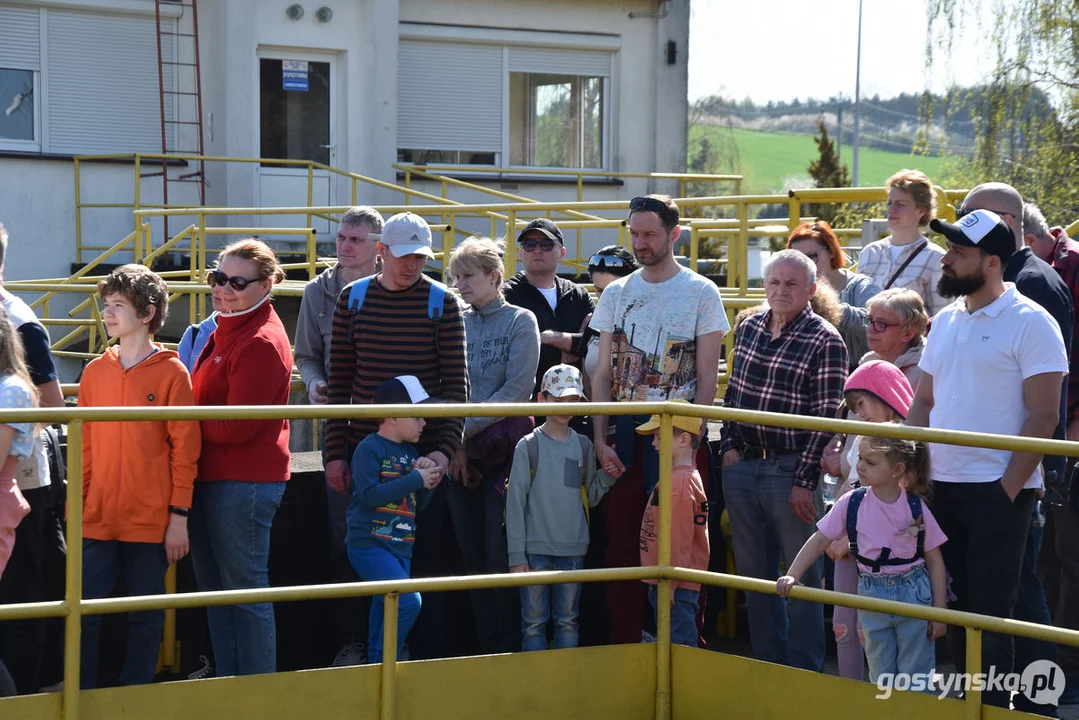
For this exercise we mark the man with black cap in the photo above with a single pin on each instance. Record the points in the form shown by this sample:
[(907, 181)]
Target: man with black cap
[(558, 304), (992, 364)]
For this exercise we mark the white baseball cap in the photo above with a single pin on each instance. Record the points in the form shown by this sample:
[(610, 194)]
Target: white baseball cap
[(406, 234)]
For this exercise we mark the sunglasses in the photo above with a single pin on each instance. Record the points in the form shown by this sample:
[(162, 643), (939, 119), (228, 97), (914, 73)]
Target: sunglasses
[(650, 205), (879, 325), (530, 245), (959, 214), (606, 262), (216, 277)]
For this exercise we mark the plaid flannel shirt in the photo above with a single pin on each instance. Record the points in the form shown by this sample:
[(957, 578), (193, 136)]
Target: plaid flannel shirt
[(801, 372), (921, 275)]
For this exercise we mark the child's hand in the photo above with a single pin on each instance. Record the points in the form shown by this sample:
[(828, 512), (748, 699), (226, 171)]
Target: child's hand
[(936, 630), (432, 476), (523, 567), (176, 542), (423, 462), (839, 549), (784, 585)]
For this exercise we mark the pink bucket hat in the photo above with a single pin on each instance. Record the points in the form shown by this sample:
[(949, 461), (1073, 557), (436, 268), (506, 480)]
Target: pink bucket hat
[(885, 382)]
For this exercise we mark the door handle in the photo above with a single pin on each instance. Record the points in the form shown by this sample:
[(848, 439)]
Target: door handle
[(331, 147)]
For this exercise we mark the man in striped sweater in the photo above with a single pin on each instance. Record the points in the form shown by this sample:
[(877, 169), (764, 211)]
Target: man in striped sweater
[(395, 332)]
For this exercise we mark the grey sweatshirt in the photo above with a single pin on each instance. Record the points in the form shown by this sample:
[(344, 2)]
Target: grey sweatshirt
[(545, 513), (314, 327), (503, 354)]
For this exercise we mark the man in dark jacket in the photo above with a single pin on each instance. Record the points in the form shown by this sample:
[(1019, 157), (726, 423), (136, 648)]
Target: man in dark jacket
[(558, 304)]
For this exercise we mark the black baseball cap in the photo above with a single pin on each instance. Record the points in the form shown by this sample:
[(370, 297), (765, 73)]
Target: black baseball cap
[(545, 226), (982, 229), (401, 390)]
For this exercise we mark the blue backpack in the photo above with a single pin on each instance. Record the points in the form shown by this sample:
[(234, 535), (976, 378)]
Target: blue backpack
[(435, 299), (884, 558)]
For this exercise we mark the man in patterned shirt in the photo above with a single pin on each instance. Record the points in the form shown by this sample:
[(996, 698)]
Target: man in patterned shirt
[(786, 359)]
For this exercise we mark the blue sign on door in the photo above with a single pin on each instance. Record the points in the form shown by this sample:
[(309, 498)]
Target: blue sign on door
[(294, 75)]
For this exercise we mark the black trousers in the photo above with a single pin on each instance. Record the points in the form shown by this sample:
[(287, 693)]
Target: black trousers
[(987, 535)]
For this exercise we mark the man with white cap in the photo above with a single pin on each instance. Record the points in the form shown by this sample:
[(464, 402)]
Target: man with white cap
[(991, 338), (400, 322)]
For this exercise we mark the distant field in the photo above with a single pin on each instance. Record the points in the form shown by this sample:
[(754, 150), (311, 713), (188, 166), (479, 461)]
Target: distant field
[(767, 159)]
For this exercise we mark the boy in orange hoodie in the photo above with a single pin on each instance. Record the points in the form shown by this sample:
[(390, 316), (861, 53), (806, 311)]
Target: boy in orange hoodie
[(137, 477), (689, 525)]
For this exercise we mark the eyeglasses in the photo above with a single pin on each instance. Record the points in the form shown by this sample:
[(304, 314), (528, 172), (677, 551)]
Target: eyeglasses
[(530, 245), (879, 325), (649, 204), (960, 214), (599, 263), (216, 277), (812, 256)]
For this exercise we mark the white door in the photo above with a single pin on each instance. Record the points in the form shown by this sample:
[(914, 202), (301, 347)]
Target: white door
[(297, 106)]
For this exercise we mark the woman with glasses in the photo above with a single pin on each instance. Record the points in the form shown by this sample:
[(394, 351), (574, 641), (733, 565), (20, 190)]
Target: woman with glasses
[(817, 241), (503, 353), (906, 258), (896, 326), (244, 463)]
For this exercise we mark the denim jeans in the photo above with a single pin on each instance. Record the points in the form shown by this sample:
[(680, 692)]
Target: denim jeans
[(683, 614), (229, 529), (142, 568), (375, 563), (757, 494), (540, 602), (895, 644)]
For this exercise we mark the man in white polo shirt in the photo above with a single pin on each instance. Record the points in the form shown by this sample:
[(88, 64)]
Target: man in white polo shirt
[(992, 364)]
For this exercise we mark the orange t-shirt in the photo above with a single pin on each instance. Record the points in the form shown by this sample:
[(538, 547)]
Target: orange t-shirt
[(689, 526)]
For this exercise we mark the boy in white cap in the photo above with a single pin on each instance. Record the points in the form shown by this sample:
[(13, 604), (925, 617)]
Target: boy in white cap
[(689, 525), (553, 481)]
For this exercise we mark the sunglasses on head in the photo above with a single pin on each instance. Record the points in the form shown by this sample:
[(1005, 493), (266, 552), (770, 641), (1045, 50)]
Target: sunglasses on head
[(530, 244), (216, 277), (649, 204), (605, 262)]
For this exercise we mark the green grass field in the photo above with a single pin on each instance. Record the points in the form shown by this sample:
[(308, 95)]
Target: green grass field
[(766, 160)]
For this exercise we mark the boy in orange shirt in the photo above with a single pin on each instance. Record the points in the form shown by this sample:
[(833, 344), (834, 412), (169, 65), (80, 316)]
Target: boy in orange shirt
[(689, 525), (137, 477)]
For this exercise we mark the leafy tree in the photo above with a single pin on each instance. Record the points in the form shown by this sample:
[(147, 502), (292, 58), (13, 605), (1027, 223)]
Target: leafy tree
[(827, 172)]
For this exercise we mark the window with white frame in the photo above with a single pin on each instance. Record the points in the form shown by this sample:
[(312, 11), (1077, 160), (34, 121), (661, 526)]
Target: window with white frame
[(20, 63), (502, 105)]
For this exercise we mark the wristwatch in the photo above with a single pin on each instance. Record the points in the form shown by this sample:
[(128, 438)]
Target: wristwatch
[(181, 511)]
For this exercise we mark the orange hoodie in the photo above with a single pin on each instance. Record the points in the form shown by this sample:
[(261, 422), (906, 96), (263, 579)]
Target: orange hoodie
[(133, 471)]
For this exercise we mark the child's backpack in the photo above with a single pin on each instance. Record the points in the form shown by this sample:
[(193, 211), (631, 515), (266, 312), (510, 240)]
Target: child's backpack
[(532, 445), (856, 497)]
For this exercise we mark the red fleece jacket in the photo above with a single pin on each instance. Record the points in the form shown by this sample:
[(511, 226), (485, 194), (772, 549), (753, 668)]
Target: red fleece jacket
[(247, 361)]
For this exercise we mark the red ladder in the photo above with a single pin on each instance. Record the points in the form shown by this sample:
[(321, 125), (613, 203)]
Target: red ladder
[(180, 86)]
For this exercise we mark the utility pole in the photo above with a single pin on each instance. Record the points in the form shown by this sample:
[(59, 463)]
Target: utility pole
[(839, 134), (857, 94)]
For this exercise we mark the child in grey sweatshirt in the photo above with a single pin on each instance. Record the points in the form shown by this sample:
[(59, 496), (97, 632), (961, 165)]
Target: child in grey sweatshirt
[(546, 522)]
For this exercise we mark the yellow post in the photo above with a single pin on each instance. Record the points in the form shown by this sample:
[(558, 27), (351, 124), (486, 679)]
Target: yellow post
[(973, 698), (310, 191), (148, 236), (168, 646), (580, 187), (354, 192), (509, 260), (663, 591), (623, 239), (447, 248), (78, 213), (389, 656), (138, 192), (794, 212), (312, 260), (743, 247), (73, 593), (682, 189), (408, 185), (201, 266), (694, 247)]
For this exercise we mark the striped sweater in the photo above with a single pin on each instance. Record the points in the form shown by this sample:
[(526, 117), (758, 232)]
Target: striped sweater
[(391, 335)]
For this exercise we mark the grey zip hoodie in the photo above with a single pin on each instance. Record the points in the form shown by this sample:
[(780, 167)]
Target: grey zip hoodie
[(314, 327), (503, 354), (545, 513)]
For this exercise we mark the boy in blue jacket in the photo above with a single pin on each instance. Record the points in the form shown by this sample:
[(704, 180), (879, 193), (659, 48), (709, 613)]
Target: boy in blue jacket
[(389, 479)]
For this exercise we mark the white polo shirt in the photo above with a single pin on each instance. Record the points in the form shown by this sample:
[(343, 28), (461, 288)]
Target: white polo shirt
[(978, 362)]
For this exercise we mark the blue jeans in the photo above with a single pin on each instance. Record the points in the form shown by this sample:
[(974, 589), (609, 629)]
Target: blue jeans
[(539, 602), (229, 529), (895, 644), (142, 567), (683, 614), (375, 563), (757, 494)]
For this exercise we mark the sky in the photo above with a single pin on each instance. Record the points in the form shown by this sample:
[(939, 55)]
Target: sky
[(783, 49)]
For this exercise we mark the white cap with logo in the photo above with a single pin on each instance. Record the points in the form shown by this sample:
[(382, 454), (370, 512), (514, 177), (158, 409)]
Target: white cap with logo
[(406, 234)]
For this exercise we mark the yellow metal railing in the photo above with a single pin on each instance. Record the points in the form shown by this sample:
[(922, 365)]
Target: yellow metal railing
[(73, 606)]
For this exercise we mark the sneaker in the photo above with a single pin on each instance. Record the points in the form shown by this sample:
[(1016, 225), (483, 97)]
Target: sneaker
[(350, 654), (58, 687), (203, 672), (647, 637)]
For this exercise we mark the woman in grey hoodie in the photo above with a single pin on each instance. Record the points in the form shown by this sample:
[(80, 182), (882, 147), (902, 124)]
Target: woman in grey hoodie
[(503, 346)]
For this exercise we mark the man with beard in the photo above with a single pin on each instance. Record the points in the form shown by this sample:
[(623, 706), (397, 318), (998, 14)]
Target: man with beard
[(991, 337), (660, 332)]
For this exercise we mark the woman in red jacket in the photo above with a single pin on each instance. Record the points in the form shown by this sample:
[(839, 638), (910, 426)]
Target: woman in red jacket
[(244, 463)]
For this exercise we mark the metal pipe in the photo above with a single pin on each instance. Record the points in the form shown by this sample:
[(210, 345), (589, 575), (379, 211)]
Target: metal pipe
[(73, 591), (663, 591), (972, 700), (389, 655)]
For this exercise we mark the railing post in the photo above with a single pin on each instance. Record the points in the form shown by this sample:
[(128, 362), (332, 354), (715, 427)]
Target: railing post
[(580, 187), (389, 656), (408, 185), (694, 247), (312, 253), (168, 649), (78, 211), (201, 265), (794, 212), (509, 260), (973, 698), (73, 592), (743, 248), (138, 191), (447, 248), (310, 192), (354, 192), (148, 237), (663, 590)]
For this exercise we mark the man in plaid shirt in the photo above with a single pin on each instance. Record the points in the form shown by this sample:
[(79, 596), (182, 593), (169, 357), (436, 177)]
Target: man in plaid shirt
[(786, 359)]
